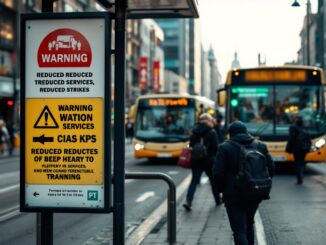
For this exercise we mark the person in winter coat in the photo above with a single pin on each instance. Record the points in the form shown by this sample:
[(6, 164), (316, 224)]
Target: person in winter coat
[(202, 132), (218, 128), (293, 147), (129, 131), (240, 211)]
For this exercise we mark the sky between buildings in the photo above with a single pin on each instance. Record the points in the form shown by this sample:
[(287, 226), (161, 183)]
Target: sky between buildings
[(249, 27)]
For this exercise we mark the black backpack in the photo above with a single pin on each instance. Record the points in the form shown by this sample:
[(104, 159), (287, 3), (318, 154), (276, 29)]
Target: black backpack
[(303, 141), (199, 151), (252, 179)]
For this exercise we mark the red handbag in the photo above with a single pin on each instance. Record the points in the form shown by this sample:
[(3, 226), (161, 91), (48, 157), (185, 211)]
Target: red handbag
[(185, 158)]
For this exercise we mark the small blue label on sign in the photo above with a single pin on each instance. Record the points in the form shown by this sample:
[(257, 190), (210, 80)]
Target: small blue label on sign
[(92, 195)]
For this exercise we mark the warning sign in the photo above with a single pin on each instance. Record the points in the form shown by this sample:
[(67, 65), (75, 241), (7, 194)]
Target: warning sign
[(73, 152), (66, 84), (46, 119)]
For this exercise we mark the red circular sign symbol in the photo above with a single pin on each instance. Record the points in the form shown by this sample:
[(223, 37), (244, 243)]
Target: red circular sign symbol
[(64, 48)]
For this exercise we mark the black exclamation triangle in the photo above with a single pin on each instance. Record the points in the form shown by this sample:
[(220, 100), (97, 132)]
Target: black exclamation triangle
[(46, 115), (46, 119)]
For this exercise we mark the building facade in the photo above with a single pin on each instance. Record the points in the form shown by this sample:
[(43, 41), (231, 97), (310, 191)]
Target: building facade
[(176, 45), (205, 78), (214, 74), (307, 54), (9, 11), (145, 59), (321, 34), (152, 39), (132, 60), (174, 84), (195, 71)]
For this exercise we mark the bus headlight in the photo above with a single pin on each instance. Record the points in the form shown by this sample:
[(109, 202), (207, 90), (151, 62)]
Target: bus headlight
[(139, 146), (320, 143)]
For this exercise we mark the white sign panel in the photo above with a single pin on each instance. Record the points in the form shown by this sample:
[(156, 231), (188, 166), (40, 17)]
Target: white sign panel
[(65, 196), (65, 58)]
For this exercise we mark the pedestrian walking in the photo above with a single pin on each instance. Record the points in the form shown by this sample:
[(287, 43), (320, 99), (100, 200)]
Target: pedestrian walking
[(298, 144), (232, 177), (12, 136), (203, 141), (4, 137), (218, 128), (220, 133), (129, 131)]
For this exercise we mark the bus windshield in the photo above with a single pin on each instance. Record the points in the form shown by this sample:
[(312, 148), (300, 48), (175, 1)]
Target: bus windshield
[(271, 109), (164, 122)]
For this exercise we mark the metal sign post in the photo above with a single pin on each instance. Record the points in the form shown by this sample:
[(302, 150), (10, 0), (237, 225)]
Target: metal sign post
[(119, 125)]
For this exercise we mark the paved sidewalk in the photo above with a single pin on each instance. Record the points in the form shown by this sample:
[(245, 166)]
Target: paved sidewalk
[(205, 224)]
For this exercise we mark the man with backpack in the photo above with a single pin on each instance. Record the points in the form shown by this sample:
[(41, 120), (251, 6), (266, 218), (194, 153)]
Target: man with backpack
[(299, 144), (203, 142), (242, 172)]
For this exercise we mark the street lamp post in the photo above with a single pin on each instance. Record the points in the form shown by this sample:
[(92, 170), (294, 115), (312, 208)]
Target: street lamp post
[(308, 4)]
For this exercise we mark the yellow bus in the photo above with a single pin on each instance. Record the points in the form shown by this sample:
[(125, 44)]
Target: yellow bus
[(163, 122), (267, 99)]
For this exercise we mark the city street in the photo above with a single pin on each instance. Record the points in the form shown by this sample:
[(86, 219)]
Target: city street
[(103, 97), (292, 216)]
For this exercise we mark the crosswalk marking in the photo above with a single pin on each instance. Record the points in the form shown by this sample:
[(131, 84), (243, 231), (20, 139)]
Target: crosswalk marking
[(9, 188), (145, 196), (9, 175)]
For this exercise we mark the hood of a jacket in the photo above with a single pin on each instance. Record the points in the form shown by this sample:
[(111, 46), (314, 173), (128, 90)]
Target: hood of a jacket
[(238, 132), (237, 127), (201, 129), (243, 138)]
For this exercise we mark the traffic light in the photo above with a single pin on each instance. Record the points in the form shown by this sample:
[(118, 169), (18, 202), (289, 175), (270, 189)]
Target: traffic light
[(10, 102), (234, 102)]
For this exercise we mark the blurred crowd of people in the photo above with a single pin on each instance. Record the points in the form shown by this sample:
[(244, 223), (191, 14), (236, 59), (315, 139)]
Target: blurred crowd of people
[(8, 134)]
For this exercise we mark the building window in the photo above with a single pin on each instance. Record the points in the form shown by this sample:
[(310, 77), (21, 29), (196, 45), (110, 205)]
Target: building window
[(8, 3), (68, 8), (6, 68), (83, 2), (172, 53), (135, 27), (6, 31)]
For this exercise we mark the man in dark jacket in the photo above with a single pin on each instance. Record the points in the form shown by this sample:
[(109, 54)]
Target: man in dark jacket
[(204, 132), (293, 147), (240, 212), (218, 128)]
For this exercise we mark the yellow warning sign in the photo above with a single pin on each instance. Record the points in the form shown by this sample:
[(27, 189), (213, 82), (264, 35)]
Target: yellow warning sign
[(46, 119), (64, 141)]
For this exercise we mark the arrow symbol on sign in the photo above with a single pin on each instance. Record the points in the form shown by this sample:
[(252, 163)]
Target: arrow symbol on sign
[(35, 194), (42, 139)]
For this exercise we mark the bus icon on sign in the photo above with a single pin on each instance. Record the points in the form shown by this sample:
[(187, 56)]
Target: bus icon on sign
[(65, 42), (92, 195)]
